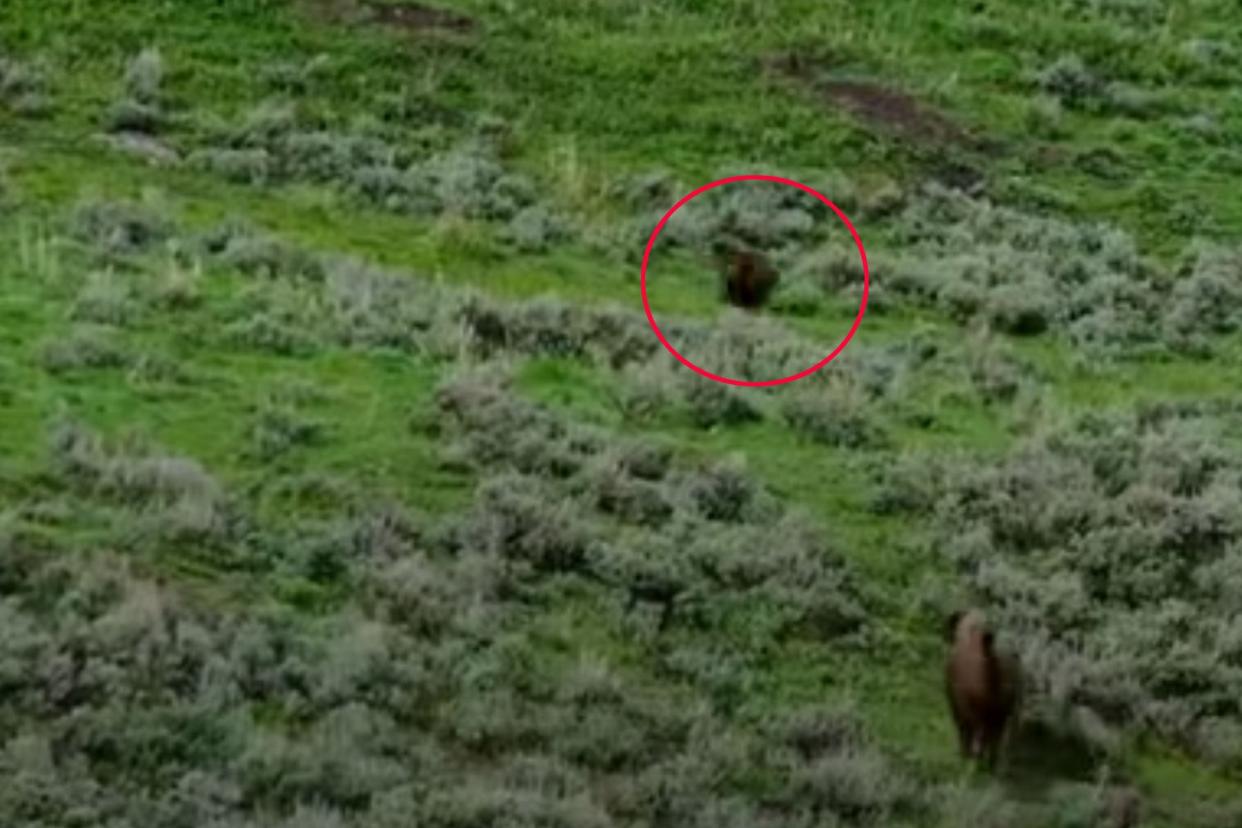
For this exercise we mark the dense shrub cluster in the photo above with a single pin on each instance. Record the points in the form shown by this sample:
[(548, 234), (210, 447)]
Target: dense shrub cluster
[(1077, 87), (141, 110), (132, 708), (836, 415), (277, 427), (558, 493), (168, 498), (1206, 300), (296, 78), (104, 299), (296, 300), (1022, 275), (352, 302), (420, 173), (1110, 549), (118, 228), (763, 214), (1208, 61), (129, 704), (833, 406), (274, 142), (23, 86), (83, 348)]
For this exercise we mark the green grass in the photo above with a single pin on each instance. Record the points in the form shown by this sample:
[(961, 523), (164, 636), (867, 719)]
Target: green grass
[(594, 91)]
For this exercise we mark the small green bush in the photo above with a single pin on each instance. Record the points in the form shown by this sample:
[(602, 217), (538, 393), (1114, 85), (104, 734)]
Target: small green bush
[(832, 414), (23, 87), (1073, 84), (118, 227), (83, 348), (277, 429), (105, 299)]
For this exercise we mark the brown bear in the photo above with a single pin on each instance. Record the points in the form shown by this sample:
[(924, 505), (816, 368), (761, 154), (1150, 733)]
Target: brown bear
[(983, 686), (749, 277)]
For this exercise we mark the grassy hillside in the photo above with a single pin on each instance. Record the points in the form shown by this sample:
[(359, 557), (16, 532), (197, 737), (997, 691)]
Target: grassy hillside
[(343, 481)]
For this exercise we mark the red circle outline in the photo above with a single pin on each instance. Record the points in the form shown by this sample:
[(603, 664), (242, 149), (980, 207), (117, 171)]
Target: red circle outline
[(862, 306)]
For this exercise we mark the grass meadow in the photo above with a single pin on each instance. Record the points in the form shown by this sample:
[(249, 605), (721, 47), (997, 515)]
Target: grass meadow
[(344, 483)]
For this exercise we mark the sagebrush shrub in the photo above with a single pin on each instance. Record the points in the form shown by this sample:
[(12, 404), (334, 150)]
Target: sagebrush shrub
[(698, 529), (133, 116), (140, 110), (1024, 274), (765, 214), (996, 373), (244, 166), (518, 520), (264, 332), (119, 227), (144, 76), (644, 393), (713, 404), (289, 77), (477, 804), (84, 348), (856, 785), (534, 229), (497, 430), (23, 86), (616, 491), (104, 299), (1206, 300), (1208, 61), (834, 414), (1046, 116), (1072, 82), (799, 297), (396, 170), (816, 731), (724, 491), (277, 429)]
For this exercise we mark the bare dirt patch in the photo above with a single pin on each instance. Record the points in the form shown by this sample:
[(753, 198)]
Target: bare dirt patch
[(409, 17), (889, 108), (419, 17), (880, 107)]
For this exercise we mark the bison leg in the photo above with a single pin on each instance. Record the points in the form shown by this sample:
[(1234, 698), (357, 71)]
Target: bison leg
[(966, 739), (978, 744), (963, 729), (995, 740), (990, 752), (1006, 740)]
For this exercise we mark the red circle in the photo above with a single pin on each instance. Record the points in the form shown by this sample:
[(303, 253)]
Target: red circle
[(862, 306)]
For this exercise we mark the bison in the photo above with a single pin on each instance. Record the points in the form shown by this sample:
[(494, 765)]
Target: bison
[(983, 686)]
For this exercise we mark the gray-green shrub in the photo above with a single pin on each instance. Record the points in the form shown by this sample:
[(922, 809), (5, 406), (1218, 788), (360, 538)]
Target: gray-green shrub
[(1101, 546)]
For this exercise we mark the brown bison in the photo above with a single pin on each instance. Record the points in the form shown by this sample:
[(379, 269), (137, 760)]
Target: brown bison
[(749, 277), (984, 687)]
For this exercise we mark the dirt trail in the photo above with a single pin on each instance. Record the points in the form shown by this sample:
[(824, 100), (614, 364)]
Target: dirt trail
[(419, 17), (880, 107), (407, 16)]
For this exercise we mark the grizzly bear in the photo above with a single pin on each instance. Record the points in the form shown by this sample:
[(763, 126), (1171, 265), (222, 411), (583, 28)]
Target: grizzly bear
[(983, 686), (748, 276)]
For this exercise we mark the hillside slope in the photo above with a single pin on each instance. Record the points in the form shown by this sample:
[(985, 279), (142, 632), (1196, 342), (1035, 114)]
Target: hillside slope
[(343, 481)]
